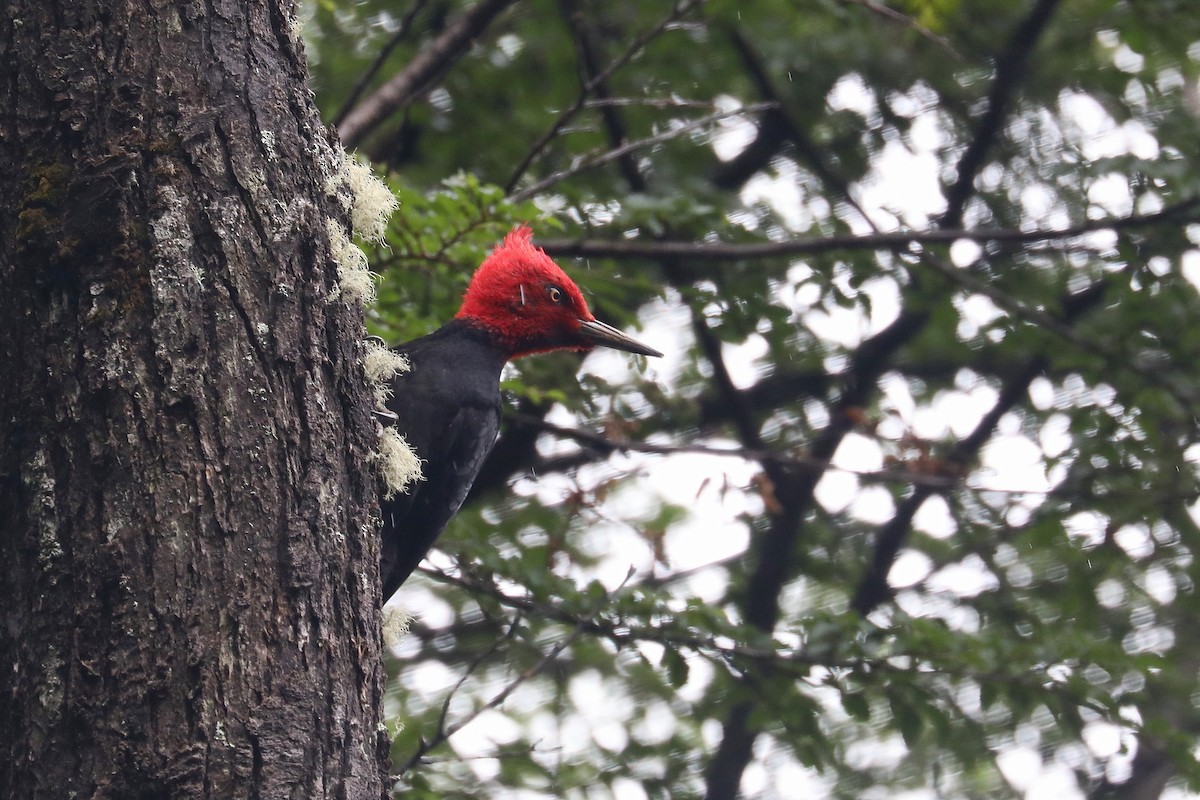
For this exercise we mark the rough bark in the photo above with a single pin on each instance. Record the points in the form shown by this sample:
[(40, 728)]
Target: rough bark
[(190, 591)]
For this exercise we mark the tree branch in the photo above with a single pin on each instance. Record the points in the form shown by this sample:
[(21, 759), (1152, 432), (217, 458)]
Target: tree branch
[(402, 30), (810, 154), (904, 474), (592, 76), (1010, 68), (421, 73), (909, 22), (1182, 211), (617, 153)]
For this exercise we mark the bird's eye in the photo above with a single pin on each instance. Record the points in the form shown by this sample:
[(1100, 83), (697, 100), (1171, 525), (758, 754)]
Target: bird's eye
[(555, 294)]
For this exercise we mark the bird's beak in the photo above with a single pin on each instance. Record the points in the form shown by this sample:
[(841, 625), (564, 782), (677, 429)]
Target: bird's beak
[(596, 332)]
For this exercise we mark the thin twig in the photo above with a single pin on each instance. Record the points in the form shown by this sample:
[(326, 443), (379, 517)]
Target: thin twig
[(467, 673), (444, 731), (638, 44), (909, 22), (520, 752), (726, 648), (650, 102), (618, 152), (814, 157)]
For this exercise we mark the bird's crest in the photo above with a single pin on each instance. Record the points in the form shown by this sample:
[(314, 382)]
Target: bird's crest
[(516, 262), (523, 296)]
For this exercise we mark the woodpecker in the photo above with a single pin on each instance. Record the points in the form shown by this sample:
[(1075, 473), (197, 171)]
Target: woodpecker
[(447, 405)]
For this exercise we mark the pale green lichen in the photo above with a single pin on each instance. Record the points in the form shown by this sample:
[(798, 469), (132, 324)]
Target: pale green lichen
[(399, 465), (396, 625), (392, 727), (381, 365), (373, 203), (296, 23), (369, 203), (368, 199), (355, 280), (174, 23)]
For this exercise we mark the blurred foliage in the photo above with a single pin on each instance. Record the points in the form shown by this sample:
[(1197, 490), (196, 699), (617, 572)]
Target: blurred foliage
[(1036, 615)]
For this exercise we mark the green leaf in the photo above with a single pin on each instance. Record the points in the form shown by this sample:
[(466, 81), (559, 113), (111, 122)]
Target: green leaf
[(676, 666)]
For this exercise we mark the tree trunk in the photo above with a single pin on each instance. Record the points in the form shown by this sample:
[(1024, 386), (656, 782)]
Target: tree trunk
[(190, 584)]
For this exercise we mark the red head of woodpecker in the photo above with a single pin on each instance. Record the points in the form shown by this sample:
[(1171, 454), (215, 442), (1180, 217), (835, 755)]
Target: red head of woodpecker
[(529, 305), (447, 404)]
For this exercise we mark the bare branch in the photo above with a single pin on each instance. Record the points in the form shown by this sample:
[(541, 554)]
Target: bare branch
[(1010, 67), (786, 125), (402, 30), (1184, 210), (614, 125), (445, 731), (421, 73), (795, 462), (650, 102), (619, 152), (638, 44)]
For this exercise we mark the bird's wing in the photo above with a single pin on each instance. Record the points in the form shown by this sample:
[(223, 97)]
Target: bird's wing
[(412, 522)]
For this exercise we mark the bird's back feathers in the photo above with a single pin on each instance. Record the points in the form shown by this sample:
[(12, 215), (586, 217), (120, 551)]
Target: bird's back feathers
[(448, 408)]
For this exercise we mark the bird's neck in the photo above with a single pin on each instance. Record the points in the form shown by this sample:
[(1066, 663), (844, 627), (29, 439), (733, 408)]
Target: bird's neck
[(512, 338), (496, 338)]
